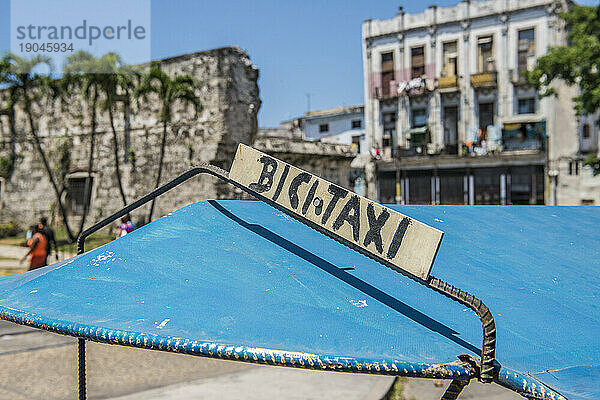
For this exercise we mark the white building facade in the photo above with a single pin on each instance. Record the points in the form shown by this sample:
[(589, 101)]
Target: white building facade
[(452, 120), (342, 125)]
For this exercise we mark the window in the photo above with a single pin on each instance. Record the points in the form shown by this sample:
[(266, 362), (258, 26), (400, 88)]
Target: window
[(450, 59), (387, 72), (526, 50), (574, 167), (356, 124), (356, 143), (324, 128), (526, 106), (419, 117), (485, 54), (77, 197), (389, 128), (486, 117), (417, 62), (587, 202), (586, 131)]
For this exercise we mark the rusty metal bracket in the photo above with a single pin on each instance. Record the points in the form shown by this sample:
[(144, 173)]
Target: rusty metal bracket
[(488, 350), (488, 364)]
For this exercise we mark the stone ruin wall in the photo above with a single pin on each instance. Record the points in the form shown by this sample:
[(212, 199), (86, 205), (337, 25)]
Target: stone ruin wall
[(230, 97)]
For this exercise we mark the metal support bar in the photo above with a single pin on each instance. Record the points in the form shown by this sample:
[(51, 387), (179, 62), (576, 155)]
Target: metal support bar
[(455, 389), (81, 369), (202, 168), (488, 351), (206, 168)]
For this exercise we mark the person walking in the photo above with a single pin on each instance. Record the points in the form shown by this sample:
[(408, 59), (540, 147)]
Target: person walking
[(126, 226), (50, 239), (37, 250)]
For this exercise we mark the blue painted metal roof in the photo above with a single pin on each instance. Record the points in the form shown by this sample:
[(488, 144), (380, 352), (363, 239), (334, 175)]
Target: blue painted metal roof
[(235, 278)]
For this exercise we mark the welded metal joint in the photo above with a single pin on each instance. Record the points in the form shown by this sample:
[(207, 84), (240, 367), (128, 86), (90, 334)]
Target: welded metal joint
[(488, 350)]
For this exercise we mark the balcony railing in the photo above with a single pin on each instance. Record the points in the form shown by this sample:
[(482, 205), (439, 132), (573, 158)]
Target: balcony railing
[(517, 78), (524, 135), (484, 79), (447, 82)]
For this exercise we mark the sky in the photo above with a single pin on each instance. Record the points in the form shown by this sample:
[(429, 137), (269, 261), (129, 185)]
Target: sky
[(303, 49)]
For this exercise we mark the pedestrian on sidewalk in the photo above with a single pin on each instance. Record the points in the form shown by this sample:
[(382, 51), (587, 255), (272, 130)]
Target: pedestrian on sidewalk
[(37, 250), (50, 239), (126, 226)]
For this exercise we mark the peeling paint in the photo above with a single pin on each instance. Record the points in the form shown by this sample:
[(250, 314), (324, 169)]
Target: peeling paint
[(163, 323), (454, 370), (358, 303)]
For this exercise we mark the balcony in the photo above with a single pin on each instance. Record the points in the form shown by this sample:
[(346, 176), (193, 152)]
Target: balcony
[(524, 133), (447, 83), (517, 78), (484, 80)]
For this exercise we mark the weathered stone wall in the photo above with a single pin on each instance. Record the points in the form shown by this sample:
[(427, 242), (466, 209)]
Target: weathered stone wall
[(329, 161), (230, 98)]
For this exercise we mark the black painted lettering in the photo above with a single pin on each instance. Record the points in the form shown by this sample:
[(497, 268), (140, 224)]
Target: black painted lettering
[(398, 236), (284, 175), (375, 226), (304, 177), (309, 196), (351, 214), (337, 193), (265, 181)]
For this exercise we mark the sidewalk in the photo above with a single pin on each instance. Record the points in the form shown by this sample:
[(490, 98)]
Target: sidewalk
[(10, 256), (264, 382), (9, 259)]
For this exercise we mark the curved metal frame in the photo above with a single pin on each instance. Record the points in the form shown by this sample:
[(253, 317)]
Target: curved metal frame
[(488, 366)]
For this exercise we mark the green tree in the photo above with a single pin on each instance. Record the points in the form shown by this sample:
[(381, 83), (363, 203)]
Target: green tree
[(8, 109), (168, 91), (576, 64), (26, 88), (117, 84), (83, 72)]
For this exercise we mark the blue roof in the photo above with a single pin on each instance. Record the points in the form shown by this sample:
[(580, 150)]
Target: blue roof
[(239, 279)]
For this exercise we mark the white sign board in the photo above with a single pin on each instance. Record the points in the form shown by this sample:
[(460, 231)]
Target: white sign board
[(387, 235)]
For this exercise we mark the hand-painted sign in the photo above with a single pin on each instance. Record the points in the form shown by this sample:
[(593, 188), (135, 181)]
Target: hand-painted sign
[(387, 235)]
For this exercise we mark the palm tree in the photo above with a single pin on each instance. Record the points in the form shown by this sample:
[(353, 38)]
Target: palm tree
[(27, 87), (83, 71), (116, 85), (168, 91), (9, 111)]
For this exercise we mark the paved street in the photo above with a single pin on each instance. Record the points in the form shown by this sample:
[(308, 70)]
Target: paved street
[(9, 259), (10, 256), (41, 365)]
